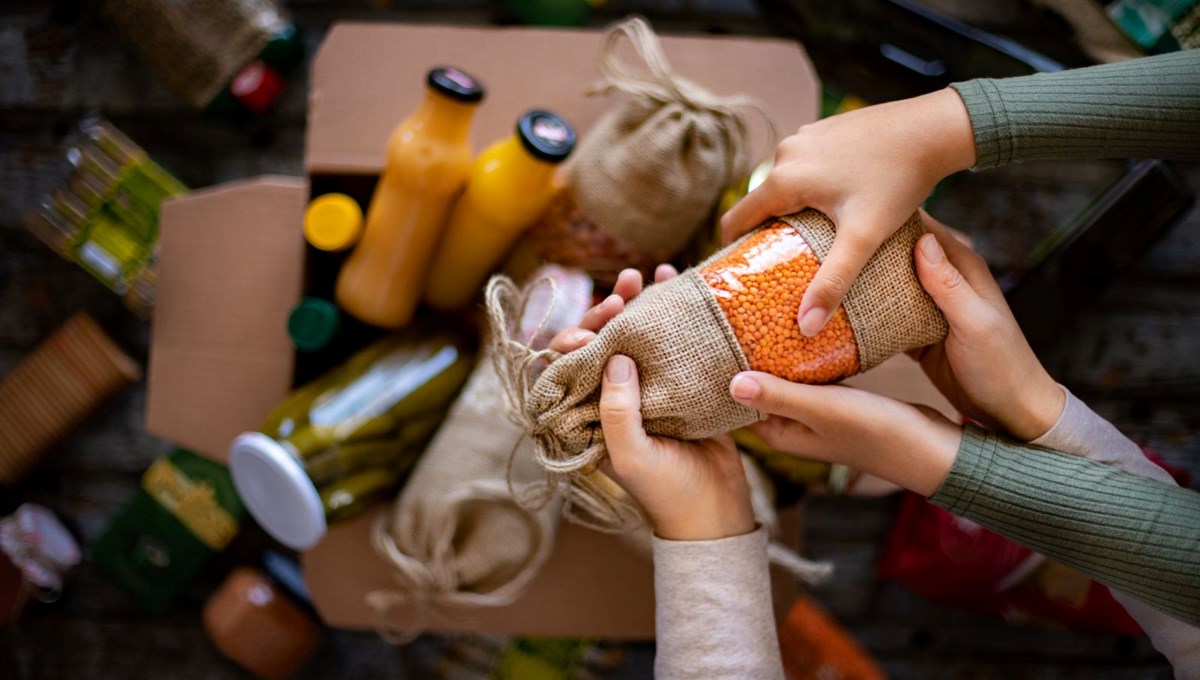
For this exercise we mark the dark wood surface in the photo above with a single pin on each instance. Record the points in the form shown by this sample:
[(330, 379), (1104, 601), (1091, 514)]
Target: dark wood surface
[(1131, 355)]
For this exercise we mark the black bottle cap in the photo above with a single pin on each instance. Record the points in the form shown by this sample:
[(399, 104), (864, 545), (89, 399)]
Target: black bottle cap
[(545, 135), (455, 84)]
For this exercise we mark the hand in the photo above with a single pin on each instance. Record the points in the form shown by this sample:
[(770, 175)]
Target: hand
[(692, 491), (913, 446), (984, 367), (868, 170)]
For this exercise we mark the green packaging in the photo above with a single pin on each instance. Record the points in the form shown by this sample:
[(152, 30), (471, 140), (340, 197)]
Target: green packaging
[(185, 512)]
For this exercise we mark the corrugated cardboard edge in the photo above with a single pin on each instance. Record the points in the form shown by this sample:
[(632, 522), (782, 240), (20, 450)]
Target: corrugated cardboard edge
[(582, 576), (352, 111), (220, 357)]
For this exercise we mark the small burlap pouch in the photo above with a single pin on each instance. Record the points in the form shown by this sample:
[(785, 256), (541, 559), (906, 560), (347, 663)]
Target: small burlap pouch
[(687, 353), (648, 174), (475, 522)]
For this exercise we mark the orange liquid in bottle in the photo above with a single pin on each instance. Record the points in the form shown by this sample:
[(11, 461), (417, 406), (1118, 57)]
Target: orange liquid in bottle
[(509, 187), (428, 160)]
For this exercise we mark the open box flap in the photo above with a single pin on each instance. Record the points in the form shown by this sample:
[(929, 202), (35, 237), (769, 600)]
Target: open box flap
[(229, 271), (593, 585), (367, 77)]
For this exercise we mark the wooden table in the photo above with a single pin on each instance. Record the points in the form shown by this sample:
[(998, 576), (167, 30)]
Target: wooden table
[(1131, 355)]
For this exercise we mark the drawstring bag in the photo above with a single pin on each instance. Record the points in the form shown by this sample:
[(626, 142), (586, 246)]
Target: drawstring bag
[(689, 336), (648, 174), (461, 534)]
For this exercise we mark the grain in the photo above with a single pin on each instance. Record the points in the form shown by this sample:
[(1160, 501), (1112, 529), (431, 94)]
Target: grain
[(758, 286)]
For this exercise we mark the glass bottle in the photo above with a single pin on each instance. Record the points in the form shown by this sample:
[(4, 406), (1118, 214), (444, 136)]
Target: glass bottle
[(428, 159)]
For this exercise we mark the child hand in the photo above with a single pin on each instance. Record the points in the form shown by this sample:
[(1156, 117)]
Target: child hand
[(984, 367), (868, 170), (913, 446), (690, 490)]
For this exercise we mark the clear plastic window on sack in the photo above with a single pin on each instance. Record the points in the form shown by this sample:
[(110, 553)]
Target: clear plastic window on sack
[(758, 284)]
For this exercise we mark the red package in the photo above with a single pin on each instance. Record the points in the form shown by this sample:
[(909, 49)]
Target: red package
[(954, 560)]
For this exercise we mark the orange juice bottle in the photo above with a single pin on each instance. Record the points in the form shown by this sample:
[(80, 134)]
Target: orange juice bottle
[(509, 187), (428, 158)]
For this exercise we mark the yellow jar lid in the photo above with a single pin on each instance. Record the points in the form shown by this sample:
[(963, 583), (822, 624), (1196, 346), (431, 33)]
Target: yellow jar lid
[(333, 222)]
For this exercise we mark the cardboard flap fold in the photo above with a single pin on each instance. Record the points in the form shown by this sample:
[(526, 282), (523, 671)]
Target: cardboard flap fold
[(367, 77), (229, 272)]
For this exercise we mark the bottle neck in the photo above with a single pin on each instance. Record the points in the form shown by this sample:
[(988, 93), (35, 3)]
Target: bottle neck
[(523, 164), (444, 118)]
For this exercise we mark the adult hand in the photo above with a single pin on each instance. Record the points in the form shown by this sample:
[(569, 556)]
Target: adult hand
[(692, 491), (913, 446), (984, 367), (868, 170)]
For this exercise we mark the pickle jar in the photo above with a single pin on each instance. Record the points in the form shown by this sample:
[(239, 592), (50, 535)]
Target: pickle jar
[(348, 438)]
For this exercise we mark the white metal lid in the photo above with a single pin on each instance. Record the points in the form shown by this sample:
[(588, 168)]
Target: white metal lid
[(276, 490)]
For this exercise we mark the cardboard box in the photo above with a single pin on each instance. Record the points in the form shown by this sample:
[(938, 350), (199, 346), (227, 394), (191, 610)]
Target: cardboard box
[(231, 259)]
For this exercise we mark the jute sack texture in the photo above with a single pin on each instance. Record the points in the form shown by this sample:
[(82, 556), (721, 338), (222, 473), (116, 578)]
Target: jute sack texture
[(464, 532), (651, 170), (686, 354)]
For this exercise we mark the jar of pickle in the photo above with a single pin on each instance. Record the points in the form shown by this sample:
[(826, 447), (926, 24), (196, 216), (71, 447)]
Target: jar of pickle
[(348, 438)]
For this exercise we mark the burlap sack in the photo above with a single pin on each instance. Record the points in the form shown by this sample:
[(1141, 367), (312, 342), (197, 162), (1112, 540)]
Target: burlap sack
[(686, 354), (650, 172), (476, 521)]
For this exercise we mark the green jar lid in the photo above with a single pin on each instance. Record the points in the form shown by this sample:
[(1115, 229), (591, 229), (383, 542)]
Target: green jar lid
[(313, 324)]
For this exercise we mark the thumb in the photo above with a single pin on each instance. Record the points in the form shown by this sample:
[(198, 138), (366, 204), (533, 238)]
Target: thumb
[(947, 286), (776, 396), (846, 258), (621, 409)]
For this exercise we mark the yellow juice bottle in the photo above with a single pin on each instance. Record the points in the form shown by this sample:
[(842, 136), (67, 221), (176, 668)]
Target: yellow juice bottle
[(428, 159), (510, 185)]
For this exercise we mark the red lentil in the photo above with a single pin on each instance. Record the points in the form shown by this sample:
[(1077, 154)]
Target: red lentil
[(759, 286)]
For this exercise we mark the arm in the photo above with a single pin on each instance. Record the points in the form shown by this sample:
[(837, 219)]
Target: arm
[(1144, 108), (1080, 431), (713, 609), (1126, 531), (870, 169)]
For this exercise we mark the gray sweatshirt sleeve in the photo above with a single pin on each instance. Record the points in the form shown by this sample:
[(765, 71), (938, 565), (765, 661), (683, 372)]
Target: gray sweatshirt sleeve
[(1143, 108), (1080, 431), (713, 610)]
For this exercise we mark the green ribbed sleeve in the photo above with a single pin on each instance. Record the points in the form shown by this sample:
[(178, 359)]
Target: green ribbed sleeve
[(1126, 531), (1143, 108)]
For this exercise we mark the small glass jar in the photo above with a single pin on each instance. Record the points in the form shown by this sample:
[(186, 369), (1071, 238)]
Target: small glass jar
[(346, 439)]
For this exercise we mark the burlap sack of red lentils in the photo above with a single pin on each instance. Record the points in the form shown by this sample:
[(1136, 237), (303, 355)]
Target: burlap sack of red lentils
[(686, 353)]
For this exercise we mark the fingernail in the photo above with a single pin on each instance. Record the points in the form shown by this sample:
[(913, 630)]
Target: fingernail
[(619, 370), (744, 388), (932, 249), (580, 336), (813, 321)]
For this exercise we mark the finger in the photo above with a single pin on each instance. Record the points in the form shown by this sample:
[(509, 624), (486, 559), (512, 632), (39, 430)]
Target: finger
[(778, 195), (629, 284), (776, 396), (781, 434), (847, 257), (621, 410), (950, 290), (664, 273), (597, 316), (571, 339), (961, 255)]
